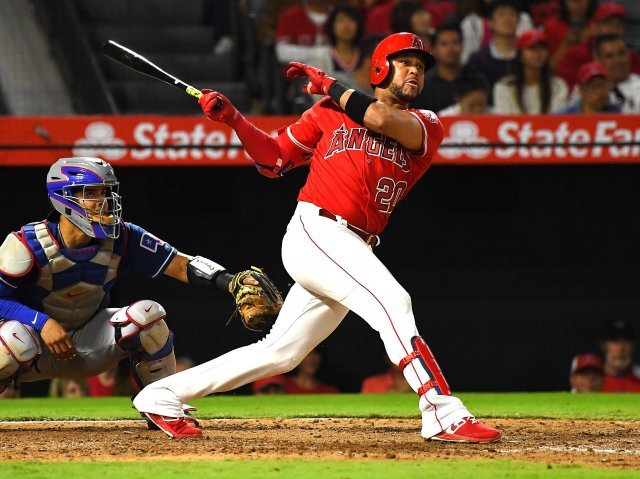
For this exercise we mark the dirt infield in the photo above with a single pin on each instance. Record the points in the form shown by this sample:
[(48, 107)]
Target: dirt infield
[(597, 443)]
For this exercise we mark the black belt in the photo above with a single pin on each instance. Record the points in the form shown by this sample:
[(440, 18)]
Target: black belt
[(371, 239)]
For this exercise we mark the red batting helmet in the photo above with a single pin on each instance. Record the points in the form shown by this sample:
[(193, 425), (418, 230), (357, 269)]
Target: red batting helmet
[(395, 43)]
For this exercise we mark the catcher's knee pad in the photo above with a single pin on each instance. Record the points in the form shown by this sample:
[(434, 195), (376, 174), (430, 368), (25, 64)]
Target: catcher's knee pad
[(19, 350), (142, 331), (423, 353)]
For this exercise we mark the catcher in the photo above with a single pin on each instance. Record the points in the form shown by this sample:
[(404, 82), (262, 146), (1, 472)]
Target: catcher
[(56, 276)]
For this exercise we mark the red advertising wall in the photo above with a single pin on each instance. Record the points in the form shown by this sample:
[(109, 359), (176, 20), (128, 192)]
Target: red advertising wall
[(192, 140)]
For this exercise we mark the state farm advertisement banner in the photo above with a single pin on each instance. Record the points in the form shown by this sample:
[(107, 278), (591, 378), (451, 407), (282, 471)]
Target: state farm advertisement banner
[(194, 141)]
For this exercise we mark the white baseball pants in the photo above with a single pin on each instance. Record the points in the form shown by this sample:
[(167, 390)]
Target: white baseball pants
[(335, 271), (96, 349)]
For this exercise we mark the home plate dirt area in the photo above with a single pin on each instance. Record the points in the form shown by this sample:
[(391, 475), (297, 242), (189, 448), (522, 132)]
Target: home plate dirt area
[(598, 443)]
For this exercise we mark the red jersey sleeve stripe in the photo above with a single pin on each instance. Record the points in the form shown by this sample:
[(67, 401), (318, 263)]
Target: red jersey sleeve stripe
[(423, 151), (296, 142)]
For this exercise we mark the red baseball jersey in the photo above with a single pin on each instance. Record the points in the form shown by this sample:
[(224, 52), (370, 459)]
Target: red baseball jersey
[(356, 173)]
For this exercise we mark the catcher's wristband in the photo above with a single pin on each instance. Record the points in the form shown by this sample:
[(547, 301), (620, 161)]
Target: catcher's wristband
[(204, 272)]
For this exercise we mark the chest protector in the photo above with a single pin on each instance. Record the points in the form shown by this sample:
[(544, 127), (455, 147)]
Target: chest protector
[(73, 290)]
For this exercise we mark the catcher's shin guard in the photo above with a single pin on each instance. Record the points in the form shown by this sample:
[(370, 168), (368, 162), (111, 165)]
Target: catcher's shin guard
[(142, 331), (422, 352)]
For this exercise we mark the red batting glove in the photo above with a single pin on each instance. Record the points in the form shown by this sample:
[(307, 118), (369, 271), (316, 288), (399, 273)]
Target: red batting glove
[(319, 82), (217, 107)]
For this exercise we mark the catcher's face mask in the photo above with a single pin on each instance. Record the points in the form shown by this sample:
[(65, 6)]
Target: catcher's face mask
[(85, 191), (101, 207)]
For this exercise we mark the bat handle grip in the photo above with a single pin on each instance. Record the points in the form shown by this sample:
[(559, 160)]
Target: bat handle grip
[(198, 94)]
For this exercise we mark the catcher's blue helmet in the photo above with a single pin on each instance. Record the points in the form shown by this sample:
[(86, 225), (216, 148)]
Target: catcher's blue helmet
[(66, 184)]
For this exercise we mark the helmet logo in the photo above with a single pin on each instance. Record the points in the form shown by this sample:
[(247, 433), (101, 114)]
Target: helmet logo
[(418, 43)]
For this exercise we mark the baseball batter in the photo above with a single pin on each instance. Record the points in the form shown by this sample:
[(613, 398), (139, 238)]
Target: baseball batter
[(365, 153), (56, 276)]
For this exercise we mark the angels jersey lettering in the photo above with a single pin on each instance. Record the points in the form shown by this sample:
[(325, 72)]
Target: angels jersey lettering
[(355, 172)]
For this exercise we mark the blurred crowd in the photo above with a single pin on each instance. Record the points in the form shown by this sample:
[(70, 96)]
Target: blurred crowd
[(612, 371), (113, 382), (500, 56)]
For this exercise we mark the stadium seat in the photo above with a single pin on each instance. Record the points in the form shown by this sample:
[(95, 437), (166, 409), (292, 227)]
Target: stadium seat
[(149, 97), (186, 67), (180, 39), (141, 12)]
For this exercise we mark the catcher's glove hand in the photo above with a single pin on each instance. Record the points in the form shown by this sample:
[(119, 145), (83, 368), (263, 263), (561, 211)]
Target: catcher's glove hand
[(258, 305)]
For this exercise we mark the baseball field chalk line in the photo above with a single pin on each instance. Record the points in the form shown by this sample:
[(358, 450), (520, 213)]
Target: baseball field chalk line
[(570, 449), (138, 421)]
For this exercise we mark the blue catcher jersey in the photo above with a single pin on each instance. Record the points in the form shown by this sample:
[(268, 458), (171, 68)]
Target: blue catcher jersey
[(71, 285)]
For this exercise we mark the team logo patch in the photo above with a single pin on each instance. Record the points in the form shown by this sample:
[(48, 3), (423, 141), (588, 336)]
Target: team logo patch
[(150, 242), (429, 115)]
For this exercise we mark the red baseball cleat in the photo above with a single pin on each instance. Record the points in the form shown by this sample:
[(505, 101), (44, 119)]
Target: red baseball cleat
[(190, 418), (174, 427), (468, 429)]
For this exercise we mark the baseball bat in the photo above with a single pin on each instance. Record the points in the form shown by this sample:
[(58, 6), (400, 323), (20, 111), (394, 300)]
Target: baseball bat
[(137, 62)]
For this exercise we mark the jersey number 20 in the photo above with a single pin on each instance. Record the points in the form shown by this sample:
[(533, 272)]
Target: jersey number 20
[(389, 193)]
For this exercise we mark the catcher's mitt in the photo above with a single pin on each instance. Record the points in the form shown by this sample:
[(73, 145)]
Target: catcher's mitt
[(258, 306)]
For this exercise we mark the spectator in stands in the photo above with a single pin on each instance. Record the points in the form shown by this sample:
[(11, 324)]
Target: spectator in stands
[(344, 29), (476, 31), (609, 19), (498, 59), (272, 385), (269, 16), (301, 33), (360, 79), (618, 344), (301, 37), (443, 81), (68, 388), (595, 88), (183, 363), (392, 380), (586, 373), (615, 56), (471, 99), (304, 379), (379, 18), (542, 10), (10, 393), (531, 89), (112, 382), (569, 27), (411, 16)]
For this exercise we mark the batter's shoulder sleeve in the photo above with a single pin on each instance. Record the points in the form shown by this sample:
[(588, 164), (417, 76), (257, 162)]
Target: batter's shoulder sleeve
[(432, 132), (145, 253), (297, 142)]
